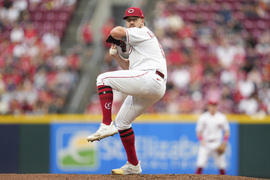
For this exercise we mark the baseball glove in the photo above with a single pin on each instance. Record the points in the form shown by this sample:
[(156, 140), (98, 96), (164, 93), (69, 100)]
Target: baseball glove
[(123, 46), (221, 148), (110, 39), (120, 43)]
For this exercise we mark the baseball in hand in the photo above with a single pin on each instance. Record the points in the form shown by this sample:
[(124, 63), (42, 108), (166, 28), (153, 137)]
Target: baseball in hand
[(113, 51)]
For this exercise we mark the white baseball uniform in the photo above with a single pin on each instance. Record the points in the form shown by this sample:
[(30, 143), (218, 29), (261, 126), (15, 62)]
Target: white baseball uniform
[(211, 127), (141, 82)]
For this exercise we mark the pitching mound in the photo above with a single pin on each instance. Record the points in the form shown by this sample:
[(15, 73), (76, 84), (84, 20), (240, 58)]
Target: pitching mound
[(121, 177)]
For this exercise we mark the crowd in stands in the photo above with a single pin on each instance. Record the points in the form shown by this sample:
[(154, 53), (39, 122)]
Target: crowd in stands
[(36, 76), (214, 49)]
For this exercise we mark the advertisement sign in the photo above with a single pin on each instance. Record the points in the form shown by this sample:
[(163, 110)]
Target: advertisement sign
[(163, 148)]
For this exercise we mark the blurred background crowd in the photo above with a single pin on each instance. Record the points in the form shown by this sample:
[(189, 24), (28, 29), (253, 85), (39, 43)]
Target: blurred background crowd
[(35, 74), (214, 49)]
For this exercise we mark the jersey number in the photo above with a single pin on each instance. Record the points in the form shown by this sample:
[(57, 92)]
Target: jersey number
[(161, 49)]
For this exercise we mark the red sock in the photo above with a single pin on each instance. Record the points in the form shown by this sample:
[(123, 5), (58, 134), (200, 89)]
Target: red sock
[(128, 140), (106, 99), (222, 171), (199, 170)]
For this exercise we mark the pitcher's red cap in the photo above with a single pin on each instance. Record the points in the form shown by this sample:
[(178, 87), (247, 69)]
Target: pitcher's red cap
[(134, 11)]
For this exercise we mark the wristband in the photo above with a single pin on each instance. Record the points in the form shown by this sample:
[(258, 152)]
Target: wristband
[(200, 138), (226, 138)]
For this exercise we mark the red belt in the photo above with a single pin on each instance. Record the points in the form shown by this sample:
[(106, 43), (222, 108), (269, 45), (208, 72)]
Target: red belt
[(160, 74)]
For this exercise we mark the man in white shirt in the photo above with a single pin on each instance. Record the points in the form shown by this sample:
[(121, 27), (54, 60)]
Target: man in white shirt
[(210, 128), (143, 80)]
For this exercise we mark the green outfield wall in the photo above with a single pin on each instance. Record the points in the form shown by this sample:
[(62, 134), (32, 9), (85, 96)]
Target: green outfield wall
[(33, 148), (254, 150), (25, 140)]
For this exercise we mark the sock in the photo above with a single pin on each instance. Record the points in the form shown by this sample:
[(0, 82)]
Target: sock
[(199, 170), (222, 171), (106, 99), (128, 140)]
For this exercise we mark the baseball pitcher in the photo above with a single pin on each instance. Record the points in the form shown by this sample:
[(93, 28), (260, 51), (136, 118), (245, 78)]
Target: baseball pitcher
[(210, 128), (143, 79)]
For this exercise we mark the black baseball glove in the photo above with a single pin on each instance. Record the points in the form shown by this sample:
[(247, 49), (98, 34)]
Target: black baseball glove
[(110, 39), (123, 46), (120, 43)]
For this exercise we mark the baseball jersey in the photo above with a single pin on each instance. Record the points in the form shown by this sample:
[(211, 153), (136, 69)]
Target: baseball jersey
[(212, 126), (145, 52)]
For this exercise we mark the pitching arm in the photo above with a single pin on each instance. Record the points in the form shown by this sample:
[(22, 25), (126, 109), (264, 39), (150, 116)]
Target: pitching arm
[(118, 33), (123, 63)]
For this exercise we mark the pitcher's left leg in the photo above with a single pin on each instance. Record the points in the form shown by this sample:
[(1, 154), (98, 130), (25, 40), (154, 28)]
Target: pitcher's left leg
[(131, 108)]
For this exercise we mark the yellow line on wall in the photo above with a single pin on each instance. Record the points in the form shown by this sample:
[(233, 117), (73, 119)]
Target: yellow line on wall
[(161, 118)]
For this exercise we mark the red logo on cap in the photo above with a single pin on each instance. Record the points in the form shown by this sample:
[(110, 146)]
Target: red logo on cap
[(131, 11)]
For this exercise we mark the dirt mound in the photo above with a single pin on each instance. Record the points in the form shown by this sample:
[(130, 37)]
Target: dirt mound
[(121, 177)]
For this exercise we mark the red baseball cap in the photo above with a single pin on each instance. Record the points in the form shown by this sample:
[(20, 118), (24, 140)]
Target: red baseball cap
[(133, 11), (213, 101)]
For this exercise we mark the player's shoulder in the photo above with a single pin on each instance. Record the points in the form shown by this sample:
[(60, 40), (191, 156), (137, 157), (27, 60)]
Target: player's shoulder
[(204, 115), (221, 115)]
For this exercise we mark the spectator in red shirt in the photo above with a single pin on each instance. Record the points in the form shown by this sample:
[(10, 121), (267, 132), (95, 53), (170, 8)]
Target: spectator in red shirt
[(87, 34), (30, 32)]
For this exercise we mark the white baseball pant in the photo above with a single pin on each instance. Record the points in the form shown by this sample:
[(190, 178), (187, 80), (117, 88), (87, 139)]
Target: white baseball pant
[(143, 88), (207, 151)]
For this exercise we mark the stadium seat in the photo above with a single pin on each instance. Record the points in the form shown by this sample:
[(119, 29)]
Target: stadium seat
[(50, 16)]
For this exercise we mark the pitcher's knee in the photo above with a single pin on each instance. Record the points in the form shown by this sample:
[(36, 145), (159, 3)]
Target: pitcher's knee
[(121, 125), (101, 79)]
